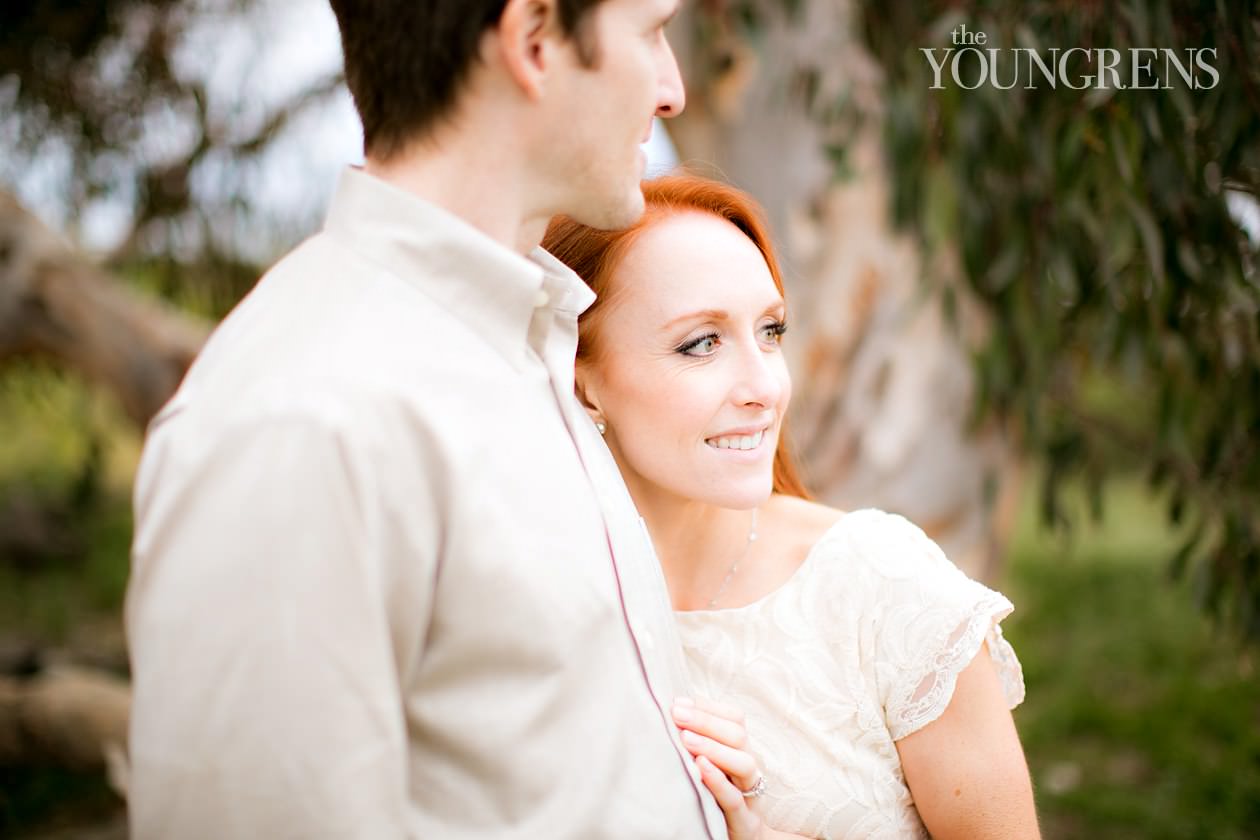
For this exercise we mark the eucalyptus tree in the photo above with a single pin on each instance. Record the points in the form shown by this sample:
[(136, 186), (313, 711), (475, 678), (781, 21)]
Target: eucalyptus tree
[(1079, 185)]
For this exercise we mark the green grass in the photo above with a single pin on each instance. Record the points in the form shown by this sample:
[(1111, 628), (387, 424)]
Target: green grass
[(53, 803), (48, 607), (71, 597), (1142, 720), (52, 422)]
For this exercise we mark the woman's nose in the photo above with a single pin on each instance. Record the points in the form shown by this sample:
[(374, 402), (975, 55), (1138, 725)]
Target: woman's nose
[(761, 379)]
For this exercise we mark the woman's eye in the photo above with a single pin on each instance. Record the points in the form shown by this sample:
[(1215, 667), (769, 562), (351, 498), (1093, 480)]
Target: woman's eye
[(774, 332), (702, 346)]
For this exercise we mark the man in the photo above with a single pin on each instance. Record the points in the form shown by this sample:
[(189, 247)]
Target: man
[(386, 580)]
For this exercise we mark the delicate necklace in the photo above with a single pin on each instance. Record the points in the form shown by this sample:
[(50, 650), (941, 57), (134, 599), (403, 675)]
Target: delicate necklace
[(752, 538)]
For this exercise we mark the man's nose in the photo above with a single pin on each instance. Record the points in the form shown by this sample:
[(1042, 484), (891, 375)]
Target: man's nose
[(671, 97)]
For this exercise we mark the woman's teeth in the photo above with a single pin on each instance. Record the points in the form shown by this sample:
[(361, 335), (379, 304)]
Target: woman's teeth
[(741, 442)]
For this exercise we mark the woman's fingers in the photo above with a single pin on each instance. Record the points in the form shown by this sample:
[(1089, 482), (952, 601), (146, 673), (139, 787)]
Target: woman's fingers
[(715, 735), (721, 724), (742, 822), (714, 707), (727, 795), (737, 764), (717, 732)]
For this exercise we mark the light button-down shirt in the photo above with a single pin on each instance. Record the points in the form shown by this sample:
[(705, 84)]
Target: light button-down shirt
[(373, 593)]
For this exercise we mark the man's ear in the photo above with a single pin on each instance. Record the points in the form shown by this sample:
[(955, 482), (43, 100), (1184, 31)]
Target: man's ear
[(529, 31)]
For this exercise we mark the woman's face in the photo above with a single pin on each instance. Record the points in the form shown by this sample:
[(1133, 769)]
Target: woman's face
[(688, 374)]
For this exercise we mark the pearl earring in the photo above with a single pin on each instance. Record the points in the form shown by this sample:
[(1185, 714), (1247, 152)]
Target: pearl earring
[(601, 427)]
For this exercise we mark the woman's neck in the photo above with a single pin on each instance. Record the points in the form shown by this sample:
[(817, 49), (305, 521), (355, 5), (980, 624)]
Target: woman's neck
[(697, 544)]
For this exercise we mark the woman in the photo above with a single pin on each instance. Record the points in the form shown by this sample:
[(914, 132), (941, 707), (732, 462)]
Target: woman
[(874, 676)]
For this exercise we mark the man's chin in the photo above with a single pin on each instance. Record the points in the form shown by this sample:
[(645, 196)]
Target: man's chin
[(615, 214)]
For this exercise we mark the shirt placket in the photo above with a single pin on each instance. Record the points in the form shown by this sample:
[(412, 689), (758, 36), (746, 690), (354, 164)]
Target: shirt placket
[(626, 565)]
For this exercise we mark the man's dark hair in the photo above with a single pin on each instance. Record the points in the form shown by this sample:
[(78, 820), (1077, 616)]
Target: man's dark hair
[(407, 59)]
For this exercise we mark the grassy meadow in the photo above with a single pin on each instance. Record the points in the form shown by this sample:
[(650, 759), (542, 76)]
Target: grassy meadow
[(1142, 720)]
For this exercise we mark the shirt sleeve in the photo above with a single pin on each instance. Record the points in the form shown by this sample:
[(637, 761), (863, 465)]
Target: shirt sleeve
[(930, 620), (266, 688)]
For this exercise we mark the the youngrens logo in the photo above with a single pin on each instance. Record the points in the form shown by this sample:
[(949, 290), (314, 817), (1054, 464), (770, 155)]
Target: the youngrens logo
[(971, 64)]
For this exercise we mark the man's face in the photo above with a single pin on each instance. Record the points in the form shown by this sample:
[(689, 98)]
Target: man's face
[(605, 110)]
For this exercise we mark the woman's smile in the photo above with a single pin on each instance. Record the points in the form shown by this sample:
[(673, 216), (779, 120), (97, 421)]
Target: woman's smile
[(738, 441), (693, 386)]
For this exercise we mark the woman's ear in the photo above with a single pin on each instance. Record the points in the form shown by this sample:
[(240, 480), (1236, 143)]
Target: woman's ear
[(586, 385), (528, 31)]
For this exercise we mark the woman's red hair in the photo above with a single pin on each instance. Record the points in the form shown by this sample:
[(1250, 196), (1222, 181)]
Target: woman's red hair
[(595, 254)]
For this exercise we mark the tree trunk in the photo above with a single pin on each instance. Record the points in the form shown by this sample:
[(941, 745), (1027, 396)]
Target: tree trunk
[(66, 717), (54, 304), (884, 387)]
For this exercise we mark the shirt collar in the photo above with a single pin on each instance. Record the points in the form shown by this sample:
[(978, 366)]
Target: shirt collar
[(495, 290)]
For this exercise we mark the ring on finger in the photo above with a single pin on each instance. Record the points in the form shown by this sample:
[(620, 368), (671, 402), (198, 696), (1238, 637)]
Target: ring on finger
[(758, 788)]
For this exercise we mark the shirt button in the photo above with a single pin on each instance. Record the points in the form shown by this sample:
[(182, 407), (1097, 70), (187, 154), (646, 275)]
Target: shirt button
[(541, 298)]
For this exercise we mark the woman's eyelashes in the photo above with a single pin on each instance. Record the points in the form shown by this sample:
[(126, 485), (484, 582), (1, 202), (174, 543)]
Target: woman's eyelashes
[(773, 332), (708, 343), (702, 345)]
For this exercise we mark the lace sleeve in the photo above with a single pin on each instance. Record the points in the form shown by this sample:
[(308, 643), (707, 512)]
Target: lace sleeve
[(930, 620)]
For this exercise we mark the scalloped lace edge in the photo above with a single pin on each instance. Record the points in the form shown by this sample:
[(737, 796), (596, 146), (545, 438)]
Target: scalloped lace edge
[(960, 647)]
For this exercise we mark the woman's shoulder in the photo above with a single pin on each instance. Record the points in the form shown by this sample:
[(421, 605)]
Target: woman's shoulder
[(803, 520), (896, 546), (867, 545)]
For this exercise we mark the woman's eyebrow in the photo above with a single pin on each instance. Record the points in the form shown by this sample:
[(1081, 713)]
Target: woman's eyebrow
[(703, 314)]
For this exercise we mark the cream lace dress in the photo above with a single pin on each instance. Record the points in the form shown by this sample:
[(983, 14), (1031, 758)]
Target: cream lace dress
[(859, 648)]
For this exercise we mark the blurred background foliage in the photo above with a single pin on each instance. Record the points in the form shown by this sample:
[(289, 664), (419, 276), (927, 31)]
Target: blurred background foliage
[(1095, 227), (117, 97)]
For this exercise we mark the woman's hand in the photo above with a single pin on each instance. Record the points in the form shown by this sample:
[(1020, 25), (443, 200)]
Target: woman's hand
[(715, 735)]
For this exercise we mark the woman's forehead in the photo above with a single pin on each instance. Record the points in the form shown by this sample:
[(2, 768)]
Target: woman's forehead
[(690, 256)]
